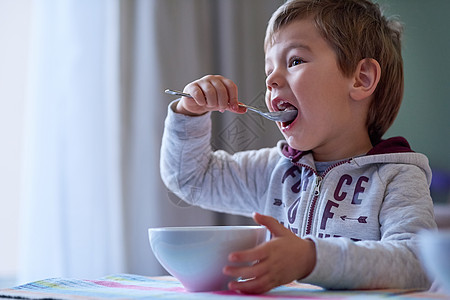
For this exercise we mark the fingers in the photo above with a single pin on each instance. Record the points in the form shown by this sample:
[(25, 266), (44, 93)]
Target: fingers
[(214, 92), (262, 251), (284, 258), (272, 225), (254, 286), (250, 255), (253, 271), (256, 278)]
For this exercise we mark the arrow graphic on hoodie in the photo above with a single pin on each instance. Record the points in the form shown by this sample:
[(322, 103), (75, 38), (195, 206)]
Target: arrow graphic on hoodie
[(277, 202), (362, 219)]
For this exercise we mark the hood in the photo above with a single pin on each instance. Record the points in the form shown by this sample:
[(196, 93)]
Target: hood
[(392, 150), (392, 145), (396, 144)]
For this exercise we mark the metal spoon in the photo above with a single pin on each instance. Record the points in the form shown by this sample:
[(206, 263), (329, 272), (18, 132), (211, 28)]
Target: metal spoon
[(277, 116)]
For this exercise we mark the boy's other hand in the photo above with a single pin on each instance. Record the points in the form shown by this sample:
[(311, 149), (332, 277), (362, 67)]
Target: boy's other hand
[(284, 258), (209, 93)]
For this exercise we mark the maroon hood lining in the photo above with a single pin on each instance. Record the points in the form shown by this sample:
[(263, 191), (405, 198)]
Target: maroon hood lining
[(396, 144)]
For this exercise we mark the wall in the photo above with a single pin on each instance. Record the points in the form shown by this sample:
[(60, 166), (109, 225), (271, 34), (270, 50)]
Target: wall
[(423, 117), (14, 36)]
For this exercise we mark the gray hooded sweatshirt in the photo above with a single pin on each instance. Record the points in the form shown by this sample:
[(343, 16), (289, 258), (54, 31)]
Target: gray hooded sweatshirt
[(362, 213)]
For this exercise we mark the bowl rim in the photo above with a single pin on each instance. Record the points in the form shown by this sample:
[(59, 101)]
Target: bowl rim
[(206, 228)]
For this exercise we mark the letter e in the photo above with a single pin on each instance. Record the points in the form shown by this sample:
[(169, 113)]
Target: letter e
[(359, 189)]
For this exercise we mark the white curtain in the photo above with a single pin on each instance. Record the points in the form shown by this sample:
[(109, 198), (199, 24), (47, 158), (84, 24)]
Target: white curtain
[(72, 192), (95, 115)]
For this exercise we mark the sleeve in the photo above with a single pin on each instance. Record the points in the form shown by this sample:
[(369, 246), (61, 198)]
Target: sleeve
[(214, 180), (393, 261)]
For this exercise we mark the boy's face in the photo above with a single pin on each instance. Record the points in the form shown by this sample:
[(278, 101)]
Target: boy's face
[(302, 71)]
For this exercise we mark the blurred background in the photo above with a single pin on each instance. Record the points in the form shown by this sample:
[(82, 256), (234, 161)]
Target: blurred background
[(82, 112)]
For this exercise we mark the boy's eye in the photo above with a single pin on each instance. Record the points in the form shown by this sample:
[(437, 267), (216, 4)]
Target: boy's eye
[(295, 61)]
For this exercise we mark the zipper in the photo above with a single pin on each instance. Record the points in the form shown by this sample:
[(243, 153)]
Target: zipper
[(345, 161), (316, 193), (318, 184), (312, 208)]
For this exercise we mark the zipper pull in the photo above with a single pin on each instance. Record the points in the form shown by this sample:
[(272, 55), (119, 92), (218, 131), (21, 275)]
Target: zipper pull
[(318, 183)]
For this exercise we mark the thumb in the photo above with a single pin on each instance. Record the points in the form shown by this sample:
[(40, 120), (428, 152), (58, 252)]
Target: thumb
[(272, 224)]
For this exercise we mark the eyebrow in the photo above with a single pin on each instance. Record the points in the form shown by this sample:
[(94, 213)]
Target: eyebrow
[(295, 45)]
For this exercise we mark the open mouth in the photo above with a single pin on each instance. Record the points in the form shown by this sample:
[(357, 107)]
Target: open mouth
[(282, 105)]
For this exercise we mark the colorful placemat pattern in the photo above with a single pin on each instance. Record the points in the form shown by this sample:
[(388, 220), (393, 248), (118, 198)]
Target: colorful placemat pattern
[(126, 286)]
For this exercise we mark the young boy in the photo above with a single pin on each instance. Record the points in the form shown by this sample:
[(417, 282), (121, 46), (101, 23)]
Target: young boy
[(343, 206)]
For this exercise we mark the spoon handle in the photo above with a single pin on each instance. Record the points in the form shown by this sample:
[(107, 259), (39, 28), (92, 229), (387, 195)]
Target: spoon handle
[(178, 93), (276, 116)]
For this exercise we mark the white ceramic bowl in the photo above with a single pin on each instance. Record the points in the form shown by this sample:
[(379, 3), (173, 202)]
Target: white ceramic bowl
[(435, 256), (197, 255)]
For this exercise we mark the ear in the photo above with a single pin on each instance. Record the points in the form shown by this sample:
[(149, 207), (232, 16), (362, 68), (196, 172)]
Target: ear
[(365, 79)]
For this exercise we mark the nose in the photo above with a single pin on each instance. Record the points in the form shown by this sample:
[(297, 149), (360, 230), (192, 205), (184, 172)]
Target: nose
[(274, 80)]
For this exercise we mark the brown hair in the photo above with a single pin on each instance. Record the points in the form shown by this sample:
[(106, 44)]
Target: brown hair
[(355, 29)]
